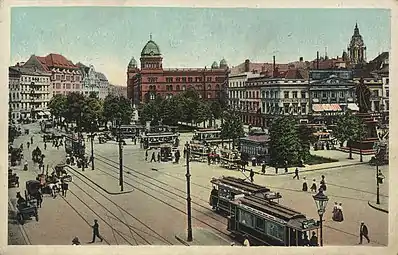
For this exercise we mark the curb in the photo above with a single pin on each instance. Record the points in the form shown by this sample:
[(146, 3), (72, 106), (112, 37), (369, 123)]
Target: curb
[(182, 241), (99, 186), (310, 170), (377, 208), (24, 235)]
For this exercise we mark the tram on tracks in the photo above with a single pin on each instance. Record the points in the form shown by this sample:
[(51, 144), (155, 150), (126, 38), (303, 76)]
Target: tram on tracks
[(74, 144), (127, 131), (159, 135), (46, 126), (199, 152), (210, 136), (230, 158), (227, 188), (266, 223)]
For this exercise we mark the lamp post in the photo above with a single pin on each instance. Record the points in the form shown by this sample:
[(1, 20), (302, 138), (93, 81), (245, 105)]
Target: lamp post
[(188, 175), (376, 149), (81, 141), (92, 146), (120, 158), (321, 200)]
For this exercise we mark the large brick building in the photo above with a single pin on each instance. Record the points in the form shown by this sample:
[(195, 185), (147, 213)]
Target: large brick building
[(149, 80)]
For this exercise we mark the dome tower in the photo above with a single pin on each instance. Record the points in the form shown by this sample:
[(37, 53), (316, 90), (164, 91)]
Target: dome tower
[(356, 48), (151, 58)]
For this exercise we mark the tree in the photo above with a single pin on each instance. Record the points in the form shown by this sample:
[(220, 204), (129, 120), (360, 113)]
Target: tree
[(117, 108), (306, 138), (216, 109), (170, 111), (349, 128), (232, 128), (58, 106), (202, 112), (92, 112), (75, 103), (284, 142)]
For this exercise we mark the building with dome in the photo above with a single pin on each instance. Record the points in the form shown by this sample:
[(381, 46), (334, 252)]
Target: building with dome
[(150, 78), (356, 49)]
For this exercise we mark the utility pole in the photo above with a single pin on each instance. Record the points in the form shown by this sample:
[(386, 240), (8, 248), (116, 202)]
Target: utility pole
[(92, 151), (120, 158), (189, 213)]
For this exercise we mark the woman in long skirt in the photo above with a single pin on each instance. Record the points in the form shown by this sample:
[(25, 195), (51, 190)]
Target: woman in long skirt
[(305, 185), (313, 186), (334, 211)]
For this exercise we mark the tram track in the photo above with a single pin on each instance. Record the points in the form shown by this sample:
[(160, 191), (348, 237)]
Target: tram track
[(161, 188), (221, 219)]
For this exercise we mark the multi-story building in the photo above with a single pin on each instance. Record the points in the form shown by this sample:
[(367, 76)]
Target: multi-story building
[(332, 92), (93, 82), (117, 90), (237, 89), (151, 80), (65, 76), (29, 93)]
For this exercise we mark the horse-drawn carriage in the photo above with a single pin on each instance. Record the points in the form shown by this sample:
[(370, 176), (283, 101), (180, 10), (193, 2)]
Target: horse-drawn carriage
[(37, 156), (26, 209), (16, 155), (13, 179)]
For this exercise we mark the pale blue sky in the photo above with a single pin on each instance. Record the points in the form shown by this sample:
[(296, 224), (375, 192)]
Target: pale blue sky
[(108, 37)]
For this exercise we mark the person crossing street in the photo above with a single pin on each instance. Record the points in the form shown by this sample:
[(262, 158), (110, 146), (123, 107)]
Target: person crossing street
[(96, 232), (296, 174)]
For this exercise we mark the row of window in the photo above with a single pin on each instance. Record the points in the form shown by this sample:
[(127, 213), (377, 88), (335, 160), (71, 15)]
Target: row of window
[(187, 79), (254, 150), (27, 106), (34, 79), (209, 95), (66, 86), (64, 77), (271, 229), (333, 94), (184, 87), (16, 96), (269, 108), (259, 83), (267, 94)]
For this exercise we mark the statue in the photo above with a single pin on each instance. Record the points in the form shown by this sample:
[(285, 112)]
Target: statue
[(363, 97)]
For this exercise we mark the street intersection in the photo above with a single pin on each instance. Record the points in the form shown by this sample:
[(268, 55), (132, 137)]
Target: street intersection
[(152, 208)]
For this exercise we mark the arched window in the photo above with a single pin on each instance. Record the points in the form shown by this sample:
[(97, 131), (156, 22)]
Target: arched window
[(178, 87)]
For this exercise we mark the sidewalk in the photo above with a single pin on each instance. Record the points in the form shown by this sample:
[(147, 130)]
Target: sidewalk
[(202, 236), (383, 206)]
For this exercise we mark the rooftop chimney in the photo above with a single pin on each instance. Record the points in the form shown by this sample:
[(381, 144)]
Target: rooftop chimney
[(317, 60), (247, 65), (301, 59)]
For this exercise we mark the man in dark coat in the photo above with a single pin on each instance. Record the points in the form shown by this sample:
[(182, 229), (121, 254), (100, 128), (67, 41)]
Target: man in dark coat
[(313, 240), (153, 157), (146, 155), (251, 175), (296, 174), (96, 231), (363, 232)]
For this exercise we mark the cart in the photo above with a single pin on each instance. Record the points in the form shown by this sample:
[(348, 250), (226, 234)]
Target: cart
[(26, 211)]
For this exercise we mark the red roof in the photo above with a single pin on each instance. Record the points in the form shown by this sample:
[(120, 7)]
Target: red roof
[(56, 60)]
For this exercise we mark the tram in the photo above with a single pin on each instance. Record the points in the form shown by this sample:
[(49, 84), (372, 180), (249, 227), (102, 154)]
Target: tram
[(210, 136), (199, 152), (158, 135), (227, 188), (230, 158), (266, 223), (74, 145), (127, 131), (46, 126)]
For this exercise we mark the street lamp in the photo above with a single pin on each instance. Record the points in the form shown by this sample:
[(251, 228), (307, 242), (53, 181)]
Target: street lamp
[(321, 200), (120, 157), (92, 146), (376, 149), (188, 175)]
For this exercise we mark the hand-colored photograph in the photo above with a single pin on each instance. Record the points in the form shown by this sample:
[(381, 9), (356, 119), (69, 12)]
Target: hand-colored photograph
[(198, 126)]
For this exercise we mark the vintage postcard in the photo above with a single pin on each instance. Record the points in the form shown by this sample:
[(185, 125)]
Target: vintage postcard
[(180, 126)]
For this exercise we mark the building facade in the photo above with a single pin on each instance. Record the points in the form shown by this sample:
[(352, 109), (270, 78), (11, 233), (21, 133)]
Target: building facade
[(29, 93), (117, 90), (66, 77), (356, 48), (93, 82), (151, 79)]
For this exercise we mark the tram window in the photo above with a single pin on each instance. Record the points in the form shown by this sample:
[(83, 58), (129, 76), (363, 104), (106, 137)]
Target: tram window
[(260, 224), (246, 219), (224, 193), (275, 230)]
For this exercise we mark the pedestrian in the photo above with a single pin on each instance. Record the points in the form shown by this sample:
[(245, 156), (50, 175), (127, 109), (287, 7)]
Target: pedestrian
[(305, 185), (75, 241), (334, 212), (146, 155), (363, 232), (276, 170), (296, 174), (286, 170), (339, 213), (159, 156), (185, 152), (31, 140), (45, 146), (64, 187), (323, 183), (313, 240), (251, 175), (153, 157), (313, 186), (28, 144), (96, 231), (208, 159), (263, 168)]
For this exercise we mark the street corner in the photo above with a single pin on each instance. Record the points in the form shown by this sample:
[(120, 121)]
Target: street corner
[(382, 207), (203, 237)]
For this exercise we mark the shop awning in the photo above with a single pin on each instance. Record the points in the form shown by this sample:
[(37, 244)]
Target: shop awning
[(353, 107), (326, 108)]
